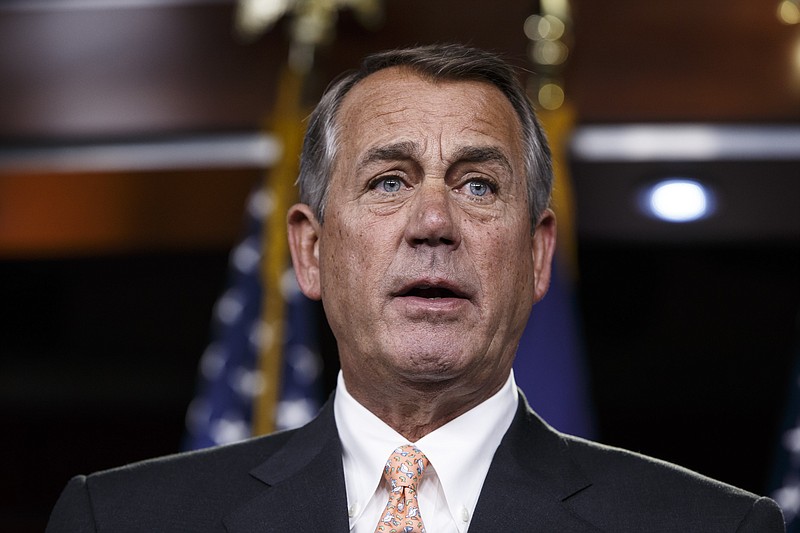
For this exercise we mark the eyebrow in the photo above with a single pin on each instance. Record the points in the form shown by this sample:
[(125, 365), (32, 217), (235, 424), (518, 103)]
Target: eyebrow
[(401, 151), (483, 154), (408, 150)]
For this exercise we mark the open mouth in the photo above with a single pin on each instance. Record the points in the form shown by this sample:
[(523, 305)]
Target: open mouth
[(431, 292)]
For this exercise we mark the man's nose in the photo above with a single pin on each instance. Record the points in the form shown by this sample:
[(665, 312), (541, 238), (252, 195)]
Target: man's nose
[(432, 220)]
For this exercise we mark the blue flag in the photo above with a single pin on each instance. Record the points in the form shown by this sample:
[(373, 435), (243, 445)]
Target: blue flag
[(550, 365)]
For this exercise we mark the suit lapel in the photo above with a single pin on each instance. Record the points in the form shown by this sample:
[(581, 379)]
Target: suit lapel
[(528, 483), (304, 487), (530, 478)]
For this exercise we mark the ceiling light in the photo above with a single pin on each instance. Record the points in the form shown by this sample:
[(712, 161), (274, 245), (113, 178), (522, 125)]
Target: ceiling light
[(678, 200)]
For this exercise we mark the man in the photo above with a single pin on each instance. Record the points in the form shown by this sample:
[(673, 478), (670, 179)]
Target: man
[(424, 230)]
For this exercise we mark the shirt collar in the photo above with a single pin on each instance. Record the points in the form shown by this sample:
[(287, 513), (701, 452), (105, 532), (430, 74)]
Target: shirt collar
[(366, 444), (460, 451)]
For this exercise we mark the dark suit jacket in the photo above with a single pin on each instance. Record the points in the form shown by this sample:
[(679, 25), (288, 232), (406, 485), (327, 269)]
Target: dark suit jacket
[(539, 481)]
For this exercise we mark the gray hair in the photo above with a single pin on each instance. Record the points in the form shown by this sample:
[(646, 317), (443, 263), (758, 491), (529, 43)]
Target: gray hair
[(439, 62)]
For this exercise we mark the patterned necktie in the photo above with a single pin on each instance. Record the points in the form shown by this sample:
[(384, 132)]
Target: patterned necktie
[(402, 472)]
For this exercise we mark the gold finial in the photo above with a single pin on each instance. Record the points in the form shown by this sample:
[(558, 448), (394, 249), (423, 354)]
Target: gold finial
[(313, 22)]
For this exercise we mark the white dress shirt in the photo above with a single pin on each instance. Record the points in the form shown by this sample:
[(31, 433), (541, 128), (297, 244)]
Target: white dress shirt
[(459, 455)]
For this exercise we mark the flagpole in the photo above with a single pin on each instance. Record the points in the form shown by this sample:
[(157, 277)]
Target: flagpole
[(288, 128)]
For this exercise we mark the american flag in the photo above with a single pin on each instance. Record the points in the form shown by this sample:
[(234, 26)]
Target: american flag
[(229, 378)]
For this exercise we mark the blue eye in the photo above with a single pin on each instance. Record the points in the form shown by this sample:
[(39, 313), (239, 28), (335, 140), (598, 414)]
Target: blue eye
[(389, 184), (478, 188)]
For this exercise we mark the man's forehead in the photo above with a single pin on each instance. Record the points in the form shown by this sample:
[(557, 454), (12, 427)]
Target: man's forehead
[(384, 109), (386, 84)]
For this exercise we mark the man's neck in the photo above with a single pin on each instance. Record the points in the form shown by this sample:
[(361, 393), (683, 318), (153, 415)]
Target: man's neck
[(416, 409)]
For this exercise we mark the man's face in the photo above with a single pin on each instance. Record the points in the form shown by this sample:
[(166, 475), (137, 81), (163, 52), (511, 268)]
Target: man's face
[(426, 259)]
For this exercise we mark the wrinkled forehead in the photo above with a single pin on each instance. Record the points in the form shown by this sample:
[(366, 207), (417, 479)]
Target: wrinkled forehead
[(396, 87), (400, 104)]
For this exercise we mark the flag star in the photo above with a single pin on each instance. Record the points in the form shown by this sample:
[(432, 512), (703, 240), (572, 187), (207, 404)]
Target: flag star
[(295, 413), (791, 440), (229, 307), (788, 497), (247, 383), (246, 256), (227, 430)]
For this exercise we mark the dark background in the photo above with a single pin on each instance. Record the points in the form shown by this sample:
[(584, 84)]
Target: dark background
[(108, 279)]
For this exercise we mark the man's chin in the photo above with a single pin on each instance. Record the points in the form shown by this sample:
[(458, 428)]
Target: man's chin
[(432, 364)]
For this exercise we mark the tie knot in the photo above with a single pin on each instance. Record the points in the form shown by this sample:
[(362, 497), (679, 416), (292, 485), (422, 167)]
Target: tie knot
[(405, 467)]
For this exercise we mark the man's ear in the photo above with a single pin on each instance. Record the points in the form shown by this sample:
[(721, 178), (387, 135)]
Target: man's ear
[(304, 231), (544, 246)]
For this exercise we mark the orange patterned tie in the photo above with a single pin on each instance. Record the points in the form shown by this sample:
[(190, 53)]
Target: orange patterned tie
[(402, 472)]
